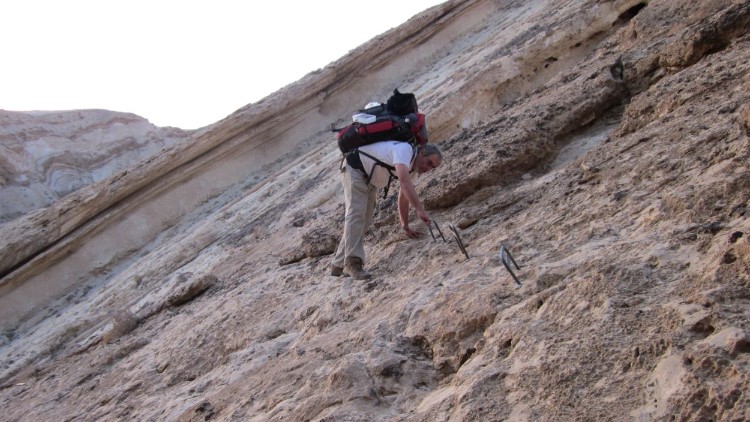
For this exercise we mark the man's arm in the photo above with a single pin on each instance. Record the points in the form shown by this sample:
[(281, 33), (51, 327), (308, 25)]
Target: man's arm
[(403, 214), (407, 195)]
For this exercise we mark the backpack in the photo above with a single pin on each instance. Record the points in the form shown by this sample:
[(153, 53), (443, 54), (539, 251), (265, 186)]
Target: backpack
[(397, 120)]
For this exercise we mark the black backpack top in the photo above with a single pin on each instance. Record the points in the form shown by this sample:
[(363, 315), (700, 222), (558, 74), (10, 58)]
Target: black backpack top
[(402, 104)]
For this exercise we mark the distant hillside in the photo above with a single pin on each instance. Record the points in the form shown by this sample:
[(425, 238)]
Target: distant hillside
[(47, 155)]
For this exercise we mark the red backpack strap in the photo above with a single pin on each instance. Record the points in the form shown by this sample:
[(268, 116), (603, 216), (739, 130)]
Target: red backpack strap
[(419, 130)]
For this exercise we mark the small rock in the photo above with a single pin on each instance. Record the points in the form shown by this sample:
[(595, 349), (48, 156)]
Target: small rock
[(745, 118), (162, 366), (123, 322), (620, 194), (190, 290), (274, 333), (732, 339)]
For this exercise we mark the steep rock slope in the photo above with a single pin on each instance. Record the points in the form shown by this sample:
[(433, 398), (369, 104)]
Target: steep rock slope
[(92, 233), (616, 174)]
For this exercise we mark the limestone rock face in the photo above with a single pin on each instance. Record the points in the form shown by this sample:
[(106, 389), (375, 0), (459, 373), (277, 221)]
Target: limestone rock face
[(603, 143), (47, 155)]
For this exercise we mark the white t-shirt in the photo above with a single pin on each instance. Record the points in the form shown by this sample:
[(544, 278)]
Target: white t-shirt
[(389, 152)]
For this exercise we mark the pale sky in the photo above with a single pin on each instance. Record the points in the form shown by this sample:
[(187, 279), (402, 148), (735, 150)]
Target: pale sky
[(182, 63)]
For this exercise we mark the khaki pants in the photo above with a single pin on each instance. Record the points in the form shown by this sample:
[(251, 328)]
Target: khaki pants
[(359, 199)]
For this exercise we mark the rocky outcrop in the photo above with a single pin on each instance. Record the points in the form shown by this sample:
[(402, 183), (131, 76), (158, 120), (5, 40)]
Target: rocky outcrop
[(48, 155), (604, 143)]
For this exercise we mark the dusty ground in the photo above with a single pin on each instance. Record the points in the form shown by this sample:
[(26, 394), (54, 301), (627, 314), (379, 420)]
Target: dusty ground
[(614, 167)]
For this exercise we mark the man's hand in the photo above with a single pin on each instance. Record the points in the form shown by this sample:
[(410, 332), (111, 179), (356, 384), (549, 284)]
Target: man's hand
[(411, 233), (422, 214)]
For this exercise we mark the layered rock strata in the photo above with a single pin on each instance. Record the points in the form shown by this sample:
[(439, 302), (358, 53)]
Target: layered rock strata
[(604, 143)]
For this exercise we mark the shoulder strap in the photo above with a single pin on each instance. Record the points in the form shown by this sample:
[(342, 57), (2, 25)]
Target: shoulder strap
[(390, 169)]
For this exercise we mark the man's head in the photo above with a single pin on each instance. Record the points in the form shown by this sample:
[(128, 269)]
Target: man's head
[(429, 157)]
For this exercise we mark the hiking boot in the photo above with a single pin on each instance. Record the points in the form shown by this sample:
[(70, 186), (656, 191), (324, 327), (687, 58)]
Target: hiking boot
[(354, 268), (338, 271)]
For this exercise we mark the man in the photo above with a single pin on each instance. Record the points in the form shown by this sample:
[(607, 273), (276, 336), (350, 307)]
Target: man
[(367, 170)]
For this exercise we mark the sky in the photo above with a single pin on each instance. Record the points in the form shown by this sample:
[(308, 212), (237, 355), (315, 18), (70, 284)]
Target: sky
[(181, 63)]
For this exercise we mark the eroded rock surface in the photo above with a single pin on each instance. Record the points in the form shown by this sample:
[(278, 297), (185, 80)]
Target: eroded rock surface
[(604, 143)]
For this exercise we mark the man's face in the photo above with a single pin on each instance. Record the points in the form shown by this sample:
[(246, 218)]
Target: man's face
[(427, 163)]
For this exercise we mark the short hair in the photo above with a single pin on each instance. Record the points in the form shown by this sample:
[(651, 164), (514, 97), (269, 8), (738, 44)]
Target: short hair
[(431, 149)]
